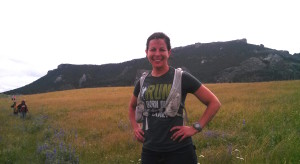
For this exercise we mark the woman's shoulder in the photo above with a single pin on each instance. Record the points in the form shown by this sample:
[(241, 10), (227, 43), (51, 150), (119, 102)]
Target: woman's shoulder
[(185, 74), (188, 78)]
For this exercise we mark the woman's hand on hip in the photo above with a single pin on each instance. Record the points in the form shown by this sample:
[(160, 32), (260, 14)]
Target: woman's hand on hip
[(182, 132), (139, 134)]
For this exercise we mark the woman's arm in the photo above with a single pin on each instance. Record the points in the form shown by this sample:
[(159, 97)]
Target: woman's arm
[(212, 106), (138, 132)]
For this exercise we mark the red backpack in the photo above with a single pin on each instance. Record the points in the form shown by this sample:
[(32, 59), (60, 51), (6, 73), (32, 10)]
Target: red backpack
[(24, 108)]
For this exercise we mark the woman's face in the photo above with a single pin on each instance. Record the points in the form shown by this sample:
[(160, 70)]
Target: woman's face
[(158, 53)]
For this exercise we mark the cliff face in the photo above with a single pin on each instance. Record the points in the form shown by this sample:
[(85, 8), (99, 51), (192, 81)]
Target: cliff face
[(271, 67), (232, 61)]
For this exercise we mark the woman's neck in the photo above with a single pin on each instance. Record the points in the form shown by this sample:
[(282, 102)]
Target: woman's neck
[(156, 72)]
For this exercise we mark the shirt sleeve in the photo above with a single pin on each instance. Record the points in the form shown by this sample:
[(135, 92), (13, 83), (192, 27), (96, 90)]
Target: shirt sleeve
[(136, 89), (190, 83)]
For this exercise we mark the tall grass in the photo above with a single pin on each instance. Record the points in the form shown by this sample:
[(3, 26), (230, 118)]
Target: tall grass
[(257, 123)]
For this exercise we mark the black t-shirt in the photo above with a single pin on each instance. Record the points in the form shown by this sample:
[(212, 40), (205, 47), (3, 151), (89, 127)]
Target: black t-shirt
[(154, 94)]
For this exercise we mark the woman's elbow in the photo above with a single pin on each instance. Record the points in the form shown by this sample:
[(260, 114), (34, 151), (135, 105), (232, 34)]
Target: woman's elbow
[(217, 105)]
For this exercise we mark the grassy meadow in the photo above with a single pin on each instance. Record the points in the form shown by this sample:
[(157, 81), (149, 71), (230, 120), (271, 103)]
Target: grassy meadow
[(257, 123)]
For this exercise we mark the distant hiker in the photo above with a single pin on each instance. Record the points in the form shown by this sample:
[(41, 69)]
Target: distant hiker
[(158, 103), (23, 109), (14, 107), (13, 98)]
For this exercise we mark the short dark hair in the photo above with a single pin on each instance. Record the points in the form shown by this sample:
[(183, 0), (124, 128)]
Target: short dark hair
[(159, 35)]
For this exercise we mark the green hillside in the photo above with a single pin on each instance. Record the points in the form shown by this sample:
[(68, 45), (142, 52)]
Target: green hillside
[(217, 62)]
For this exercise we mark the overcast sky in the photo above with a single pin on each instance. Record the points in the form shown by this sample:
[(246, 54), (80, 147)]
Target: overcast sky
[(38, 35)]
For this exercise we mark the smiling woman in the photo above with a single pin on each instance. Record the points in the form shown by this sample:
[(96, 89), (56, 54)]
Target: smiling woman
[(158, 52), (164, 135)]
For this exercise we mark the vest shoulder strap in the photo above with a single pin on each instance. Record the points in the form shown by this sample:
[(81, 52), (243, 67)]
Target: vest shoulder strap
[(142, 79), (176, 86)]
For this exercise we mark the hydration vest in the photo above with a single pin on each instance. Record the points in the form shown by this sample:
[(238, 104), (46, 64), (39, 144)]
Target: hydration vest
[(172, 105)]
